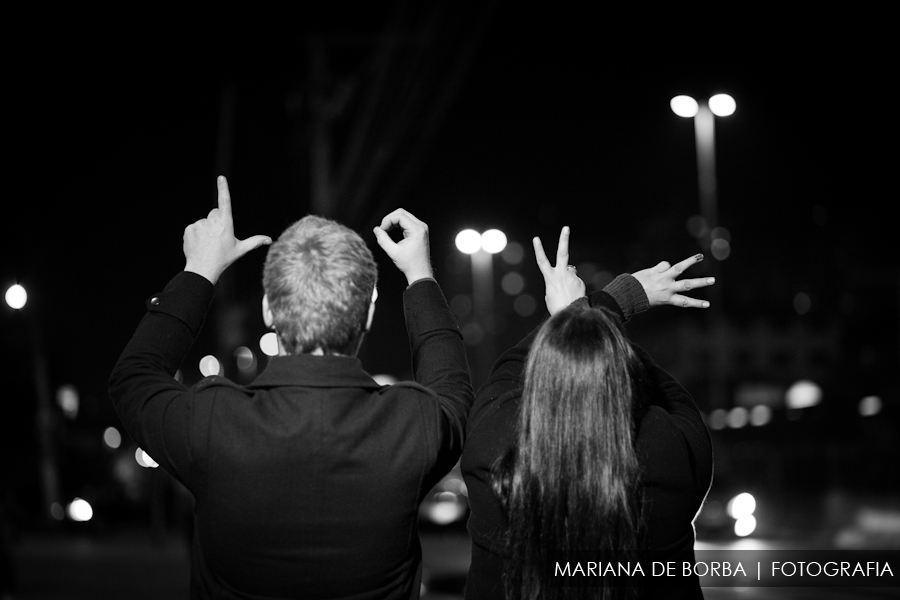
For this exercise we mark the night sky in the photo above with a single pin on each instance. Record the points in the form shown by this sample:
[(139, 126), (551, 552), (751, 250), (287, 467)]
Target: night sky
[(559, 118)]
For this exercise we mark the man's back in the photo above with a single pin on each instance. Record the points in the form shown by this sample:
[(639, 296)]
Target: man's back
[(307, 481)]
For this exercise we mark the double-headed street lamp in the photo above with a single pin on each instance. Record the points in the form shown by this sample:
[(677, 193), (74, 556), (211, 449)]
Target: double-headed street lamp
[(720, 105), (482, 247)]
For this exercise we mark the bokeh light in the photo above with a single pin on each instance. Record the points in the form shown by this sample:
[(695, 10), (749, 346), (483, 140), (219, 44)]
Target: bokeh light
[(760, 415), (720, 248), (80, 510), (144, 459), (742, 505), (684, 106), (525, 305), (68, 400), (870, 406), (803, 394), (512, 283), (513, 254), (268, 343), (244, 358), (112, 438), (16, 296), (738, 417), (802, 303), (745, 526), (468, 241), (717, 419), (209, 366)]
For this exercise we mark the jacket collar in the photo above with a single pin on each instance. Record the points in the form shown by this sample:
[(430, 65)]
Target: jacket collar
[(314, 371)]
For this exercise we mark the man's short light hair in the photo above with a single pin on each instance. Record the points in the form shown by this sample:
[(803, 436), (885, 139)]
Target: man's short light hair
[(319, 277)]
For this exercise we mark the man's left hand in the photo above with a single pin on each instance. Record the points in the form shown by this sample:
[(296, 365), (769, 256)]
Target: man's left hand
[(209, 244)]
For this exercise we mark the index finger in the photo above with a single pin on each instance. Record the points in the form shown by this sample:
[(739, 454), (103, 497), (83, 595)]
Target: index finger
[(541, 257), (562, 251), (405, 219), (224, 195), (682, 266)]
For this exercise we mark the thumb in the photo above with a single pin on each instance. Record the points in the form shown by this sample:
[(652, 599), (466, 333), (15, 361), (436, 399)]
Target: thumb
[(384, 240), (252, 243)]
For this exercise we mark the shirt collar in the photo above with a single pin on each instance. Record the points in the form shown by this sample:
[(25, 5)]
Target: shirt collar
[(314, 371)]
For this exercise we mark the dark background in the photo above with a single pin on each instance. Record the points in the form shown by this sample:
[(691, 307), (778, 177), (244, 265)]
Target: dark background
[(491, 116)]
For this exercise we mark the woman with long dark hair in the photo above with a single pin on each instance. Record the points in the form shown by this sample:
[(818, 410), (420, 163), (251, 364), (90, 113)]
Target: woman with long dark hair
[(580, 449)]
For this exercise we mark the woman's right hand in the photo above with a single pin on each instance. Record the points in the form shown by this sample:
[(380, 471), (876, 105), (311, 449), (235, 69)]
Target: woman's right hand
[(563, 285)]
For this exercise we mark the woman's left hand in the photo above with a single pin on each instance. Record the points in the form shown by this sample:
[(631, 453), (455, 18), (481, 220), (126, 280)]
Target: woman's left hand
[(662, 287)]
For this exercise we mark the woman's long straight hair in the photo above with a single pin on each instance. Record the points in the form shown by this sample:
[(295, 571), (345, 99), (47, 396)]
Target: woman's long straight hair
[(571, 484)]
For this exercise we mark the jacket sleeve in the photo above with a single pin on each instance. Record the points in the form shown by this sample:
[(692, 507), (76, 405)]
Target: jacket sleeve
[(153, 406), (439, 363), (682, 414)]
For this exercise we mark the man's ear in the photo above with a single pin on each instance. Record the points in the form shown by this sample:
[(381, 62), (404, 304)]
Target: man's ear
[(371, 310), (268, 317)]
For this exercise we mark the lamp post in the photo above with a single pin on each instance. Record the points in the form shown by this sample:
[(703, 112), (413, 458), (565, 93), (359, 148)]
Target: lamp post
[(712, 238), (51, 508), (720, 105), (482, 247)]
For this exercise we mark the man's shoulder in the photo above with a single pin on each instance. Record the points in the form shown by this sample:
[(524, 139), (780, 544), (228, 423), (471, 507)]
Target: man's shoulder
[(216, 383)]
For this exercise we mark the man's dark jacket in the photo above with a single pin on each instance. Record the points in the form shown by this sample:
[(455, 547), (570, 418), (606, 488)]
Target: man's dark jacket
[(307, 481)]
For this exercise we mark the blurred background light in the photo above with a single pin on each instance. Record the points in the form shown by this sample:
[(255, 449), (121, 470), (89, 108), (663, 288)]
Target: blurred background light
[(80, 510), (870, 406), (384, 379), (16, 296), (738, 417), (684, 106), (68, 400), (493, 241), (144, 459), (512, 283), (760, 415), (468, 241), (268, 343), (525, 305), (722, 105), (742, 505), (244, 358), (718, 419), (803, 394), (209, 365), (720, 248), (745, 526), (513, 254), (112, 438), (802, 303)]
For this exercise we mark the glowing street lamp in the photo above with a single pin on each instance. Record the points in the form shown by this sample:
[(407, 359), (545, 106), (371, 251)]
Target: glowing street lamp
[(16, 296), (714, 239), (720, 105), (482, 247)]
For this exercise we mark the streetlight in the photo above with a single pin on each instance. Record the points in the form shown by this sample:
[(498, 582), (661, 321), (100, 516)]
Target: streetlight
[(16, 298), (720, 105), (482, 247), (713, 238)]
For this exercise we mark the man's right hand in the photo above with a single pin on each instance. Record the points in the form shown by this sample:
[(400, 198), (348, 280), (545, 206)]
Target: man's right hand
[(411, 254)]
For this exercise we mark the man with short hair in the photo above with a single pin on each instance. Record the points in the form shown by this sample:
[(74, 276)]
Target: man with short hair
[(308, 480)]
